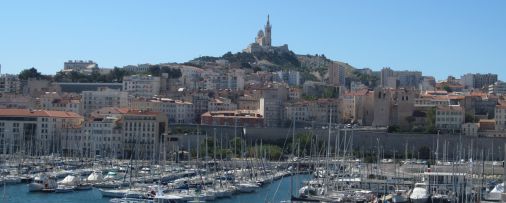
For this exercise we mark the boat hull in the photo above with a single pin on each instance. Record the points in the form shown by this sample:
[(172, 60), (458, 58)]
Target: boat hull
[(419, 200), (35, 187)]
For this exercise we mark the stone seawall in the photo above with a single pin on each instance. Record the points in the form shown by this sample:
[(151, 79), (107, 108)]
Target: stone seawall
[(456, 145)]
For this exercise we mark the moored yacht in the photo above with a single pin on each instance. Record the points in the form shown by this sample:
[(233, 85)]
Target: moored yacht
[(43, 182), (419, 193), (95, 176), (247, 187), (495, 194)]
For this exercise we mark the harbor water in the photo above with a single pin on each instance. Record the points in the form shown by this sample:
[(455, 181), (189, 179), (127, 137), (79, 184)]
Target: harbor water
[(276, 191)]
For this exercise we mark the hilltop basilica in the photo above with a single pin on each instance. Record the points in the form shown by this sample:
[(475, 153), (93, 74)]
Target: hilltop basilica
[(263, 41)]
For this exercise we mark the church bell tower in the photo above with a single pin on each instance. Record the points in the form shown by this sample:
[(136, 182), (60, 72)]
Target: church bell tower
[(268, 33)]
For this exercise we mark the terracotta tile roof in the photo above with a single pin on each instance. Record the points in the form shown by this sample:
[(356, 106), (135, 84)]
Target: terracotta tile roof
[(361, 92), (440, 97), (487, 121), (37, 113), (111, 110), (437, 92), (139, 112), (459, 97)]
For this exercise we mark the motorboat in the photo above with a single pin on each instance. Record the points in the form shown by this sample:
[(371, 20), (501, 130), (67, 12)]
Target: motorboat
[(11, 179), (111, 175), (166, 198), (64, 189), (111, 184), (70, 180), (130, 200), (495, 194), (247, 187), (95, 176), (43, 182), (400, 196), (120, 193), (84, 186), (419, 193)]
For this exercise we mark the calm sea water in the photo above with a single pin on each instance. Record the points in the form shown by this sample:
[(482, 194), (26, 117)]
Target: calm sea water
[(267, 193)]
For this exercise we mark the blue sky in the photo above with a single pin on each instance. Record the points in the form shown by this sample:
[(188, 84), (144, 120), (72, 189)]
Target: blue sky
[(436, 37)]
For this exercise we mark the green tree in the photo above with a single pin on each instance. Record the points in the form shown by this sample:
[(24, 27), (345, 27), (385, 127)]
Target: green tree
[(155, 70), (117, 74), (236, 144), (431, 121), (172, 72), (302, 143), (29, 73), (75, 76), (393, 129), (410, 120), (60, 76), (268, 151), (447, 88), (95, 75)]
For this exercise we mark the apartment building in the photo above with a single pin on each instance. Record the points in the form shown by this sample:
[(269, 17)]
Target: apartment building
[(221, 104), (177, 111), (500, 118), (55, 102), (35, 132), (142, 85), (449, 118), (104, 97), (144, 135), (10, 84)]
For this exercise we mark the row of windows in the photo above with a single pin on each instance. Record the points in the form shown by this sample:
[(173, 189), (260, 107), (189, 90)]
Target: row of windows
[(449, 113), (77, 137), (448, 126), (451, 119), (143, 134)]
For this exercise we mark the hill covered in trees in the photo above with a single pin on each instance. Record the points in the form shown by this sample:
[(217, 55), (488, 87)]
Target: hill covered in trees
[(312, 67)]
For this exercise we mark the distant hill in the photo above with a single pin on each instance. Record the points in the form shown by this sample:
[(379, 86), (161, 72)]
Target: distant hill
[(312, 67)]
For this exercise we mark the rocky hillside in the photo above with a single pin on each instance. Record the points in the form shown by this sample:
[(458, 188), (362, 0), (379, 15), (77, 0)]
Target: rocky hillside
[(312, 67)]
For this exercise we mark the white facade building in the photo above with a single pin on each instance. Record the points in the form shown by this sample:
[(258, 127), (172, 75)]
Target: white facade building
[(470, 129), (314, 112), (233, 80), (144, 135), (498, 88), (140, 68), (449, 118), (221, 104), (10, 84), (35, 132), (105, 97), (54, 102), (500, 117), (85, 67), (177, 111), (141, 85)]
